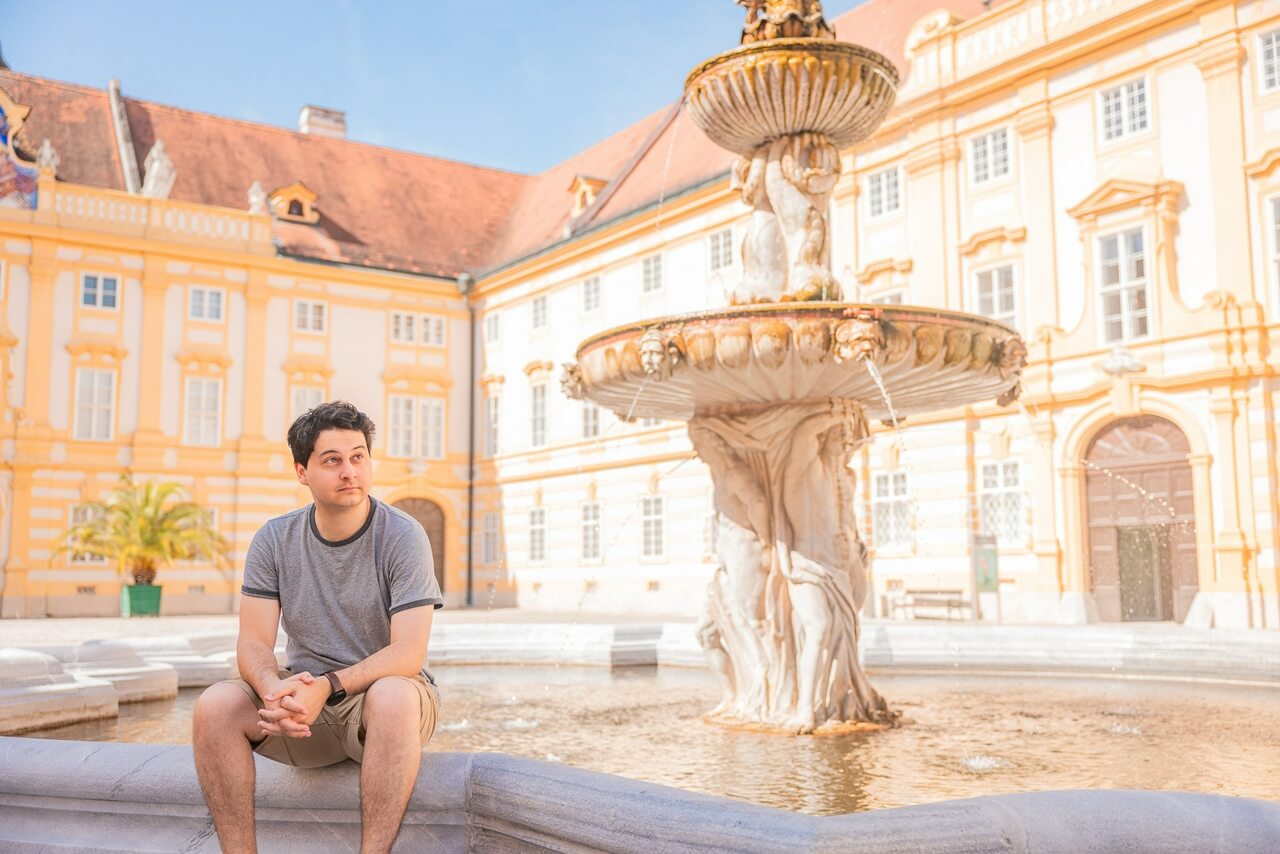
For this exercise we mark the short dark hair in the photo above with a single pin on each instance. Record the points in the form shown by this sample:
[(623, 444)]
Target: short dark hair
[(334, 415)]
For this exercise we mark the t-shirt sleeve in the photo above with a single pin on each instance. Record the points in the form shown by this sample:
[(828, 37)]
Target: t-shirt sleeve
[(261, 574), (413, 575)]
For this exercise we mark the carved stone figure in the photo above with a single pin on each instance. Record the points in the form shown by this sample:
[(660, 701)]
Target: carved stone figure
[(47, 158), (257, 199), (781, 622), (160, 173), (784, 19), (653, 355), (571, 384), (764, 252)]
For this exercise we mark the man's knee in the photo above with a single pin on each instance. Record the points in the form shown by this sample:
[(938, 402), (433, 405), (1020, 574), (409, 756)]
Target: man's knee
[(223, 706), (391, 698)]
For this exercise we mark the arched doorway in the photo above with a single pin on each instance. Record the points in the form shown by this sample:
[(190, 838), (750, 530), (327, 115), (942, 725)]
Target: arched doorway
[(1142, 523), (431, 518)]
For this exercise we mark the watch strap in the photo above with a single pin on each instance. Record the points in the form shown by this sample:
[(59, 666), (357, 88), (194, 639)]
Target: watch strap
[(336, 692)]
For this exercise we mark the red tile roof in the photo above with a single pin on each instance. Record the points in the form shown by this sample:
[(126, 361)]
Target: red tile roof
[(384, 208)]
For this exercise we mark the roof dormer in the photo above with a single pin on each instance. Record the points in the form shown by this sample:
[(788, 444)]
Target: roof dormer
[(584, 190), (295, 203)]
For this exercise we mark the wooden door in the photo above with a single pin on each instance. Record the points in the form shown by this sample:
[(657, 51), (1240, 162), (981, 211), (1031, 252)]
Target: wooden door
[(431, 518)]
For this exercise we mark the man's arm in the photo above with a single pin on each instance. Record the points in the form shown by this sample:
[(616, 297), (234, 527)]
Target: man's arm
[(256, 661), (404, 656)]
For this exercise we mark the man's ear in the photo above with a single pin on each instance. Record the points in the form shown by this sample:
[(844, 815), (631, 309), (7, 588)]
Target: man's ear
[(301, 471)]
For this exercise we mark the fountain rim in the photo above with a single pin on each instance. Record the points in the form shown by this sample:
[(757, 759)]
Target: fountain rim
[(803, 310), (878, 62)]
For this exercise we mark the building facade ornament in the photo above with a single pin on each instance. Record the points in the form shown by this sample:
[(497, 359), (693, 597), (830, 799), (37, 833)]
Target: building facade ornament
[(47, 158), (159, 173)]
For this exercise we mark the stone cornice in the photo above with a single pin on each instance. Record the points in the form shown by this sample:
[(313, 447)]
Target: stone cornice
[(876, 269), (538, 371), (1000, 234), (195, 358), (1034, 122), (1221, 55), (93, 345), (492, 383), (932, 156), (1119, 194), (300, 367), (1264, 166)]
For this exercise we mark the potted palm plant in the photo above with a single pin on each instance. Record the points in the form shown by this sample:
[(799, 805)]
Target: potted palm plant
[(140, 527)]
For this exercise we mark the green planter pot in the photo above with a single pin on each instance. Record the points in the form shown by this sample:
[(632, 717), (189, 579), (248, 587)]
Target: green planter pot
[(140, 600)]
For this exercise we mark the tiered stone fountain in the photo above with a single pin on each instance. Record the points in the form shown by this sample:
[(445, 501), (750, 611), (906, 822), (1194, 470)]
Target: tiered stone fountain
[(779, 387)]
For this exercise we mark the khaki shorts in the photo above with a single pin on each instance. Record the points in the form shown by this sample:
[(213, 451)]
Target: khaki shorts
[(338, 734)]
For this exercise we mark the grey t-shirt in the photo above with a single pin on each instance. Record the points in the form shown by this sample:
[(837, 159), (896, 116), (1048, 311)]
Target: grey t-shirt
[(337, 598)]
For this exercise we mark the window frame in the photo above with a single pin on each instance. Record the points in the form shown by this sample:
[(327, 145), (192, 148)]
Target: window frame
[(493, 425), (993, 269), (1003, 490), (83, 558), (1263, 86), (539, 313), (430, 323), (414, 441), (489, 551), (324, 313), (111, 405), (1122, 89), (99, 278), (538, 415), (653, 528), (893, 498), (206, 291), (591, 294), (652, 274), (492, 327), (190, 421), (877, 182), (591, 531), (720, 248), (537, 535), (294, 389), (992, 179), (1122, 287)]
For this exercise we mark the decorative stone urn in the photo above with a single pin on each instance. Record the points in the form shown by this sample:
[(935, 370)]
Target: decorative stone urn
[(778, 388)]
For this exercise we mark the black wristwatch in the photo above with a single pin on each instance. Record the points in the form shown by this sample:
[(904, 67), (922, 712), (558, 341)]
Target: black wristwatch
[(337, 692)]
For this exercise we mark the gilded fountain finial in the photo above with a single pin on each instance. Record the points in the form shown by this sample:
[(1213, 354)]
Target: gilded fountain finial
[(784, 19)]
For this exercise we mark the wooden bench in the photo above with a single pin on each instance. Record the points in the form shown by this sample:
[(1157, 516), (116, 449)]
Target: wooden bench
[(951, 602)]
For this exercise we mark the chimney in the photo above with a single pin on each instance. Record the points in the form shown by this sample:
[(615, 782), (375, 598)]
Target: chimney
[(321, 121)]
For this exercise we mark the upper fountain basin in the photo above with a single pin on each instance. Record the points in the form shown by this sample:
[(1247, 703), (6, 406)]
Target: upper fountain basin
[(763, 91), (747, 357)]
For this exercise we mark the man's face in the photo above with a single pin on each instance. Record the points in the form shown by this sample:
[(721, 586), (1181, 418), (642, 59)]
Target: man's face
[(339, 472)]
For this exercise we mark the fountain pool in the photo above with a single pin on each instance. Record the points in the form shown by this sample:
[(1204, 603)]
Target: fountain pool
[(961, 735)]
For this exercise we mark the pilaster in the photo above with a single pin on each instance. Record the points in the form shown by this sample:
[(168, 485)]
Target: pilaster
[(148, 439), (1034, 124)]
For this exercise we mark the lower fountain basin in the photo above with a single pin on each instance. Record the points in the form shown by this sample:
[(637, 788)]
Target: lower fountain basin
[(747, 358)]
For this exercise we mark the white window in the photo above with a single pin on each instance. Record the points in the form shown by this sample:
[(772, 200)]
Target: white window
[(653, 540), (492, 327), (650, 422), (1001, 502), (538, 534), (81, 514), (3, 284), (1275, 234), (400, 437), (206, 304), (304, 398), (417, 427), (404, 327), (204, 405), (539, 310), (1124, 109), (591, 531), (1269, 46), (993, 294), (431, 428), (891, 298), (433, 330), (891, 511), (989, 155), (590, 420), (1123, 274), (98, 291), (492, 418), (720, 250), (651, 274), (95, 404), (309, 315), (489, 550), (591, 294), (883, 193), (538, 416)]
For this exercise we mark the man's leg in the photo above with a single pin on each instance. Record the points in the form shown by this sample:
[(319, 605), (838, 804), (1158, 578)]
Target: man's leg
[(224, 728), (392, 754)]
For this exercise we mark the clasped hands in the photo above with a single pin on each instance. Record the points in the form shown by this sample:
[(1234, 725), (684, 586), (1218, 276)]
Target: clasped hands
[(292, 705)]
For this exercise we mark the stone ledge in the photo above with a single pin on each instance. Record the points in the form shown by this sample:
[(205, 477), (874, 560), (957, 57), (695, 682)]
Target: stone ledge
[(127, 797)]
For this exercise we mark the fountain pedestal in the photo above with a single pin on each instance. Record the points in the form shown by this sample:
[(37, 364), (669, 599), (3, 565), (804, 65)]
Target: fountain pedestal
[(780, 626)]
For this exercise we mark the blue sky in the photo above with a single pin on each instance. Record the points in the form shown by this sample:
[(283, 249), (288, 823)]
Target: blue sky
[(517, 85)]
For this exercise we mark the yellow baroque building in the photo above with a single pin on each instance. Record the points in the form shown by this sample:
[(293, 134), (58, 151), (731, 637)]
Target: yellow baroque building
[(1101, 175)]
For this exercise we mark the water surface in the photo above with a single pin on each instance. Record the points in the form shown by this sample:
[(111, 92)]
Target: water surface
[(962, 736)]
